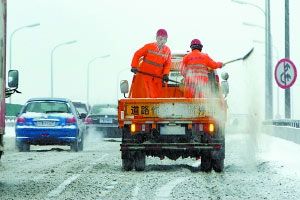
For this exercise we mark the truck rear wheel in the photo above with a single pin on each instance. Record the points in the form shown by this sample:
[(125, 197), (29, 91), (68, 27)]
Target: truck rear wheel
[(127, 164), (218, 165), (127, 161), (140, 161)]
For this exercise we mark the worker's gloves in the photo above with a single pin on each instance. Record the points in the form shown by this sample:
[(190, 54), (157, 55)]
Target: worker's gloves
[(220, 64), (134, 70), (165, 78)]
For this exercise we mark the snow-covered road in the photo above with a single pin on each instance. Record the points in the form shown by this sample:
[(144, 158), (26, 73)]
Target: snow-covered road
[(257, 166)]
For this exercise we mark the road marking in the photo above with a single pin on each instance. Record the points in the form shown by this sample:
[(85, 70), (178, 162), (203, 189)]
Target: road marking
[(62, 186), (165, 191), (68, 181)]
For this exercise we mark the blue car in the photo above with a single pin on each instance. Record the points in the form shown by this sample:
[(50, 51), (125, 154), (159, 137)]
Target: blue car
[(49, 121)]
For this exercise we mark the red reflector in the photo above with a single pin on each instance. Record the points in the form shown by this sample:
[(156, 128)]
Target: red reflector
[(218, 146)]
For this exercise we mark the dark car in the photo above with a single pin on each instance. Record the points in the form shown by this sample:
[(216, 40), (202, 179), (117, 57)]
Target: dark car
[(49, 121), (103, 118)]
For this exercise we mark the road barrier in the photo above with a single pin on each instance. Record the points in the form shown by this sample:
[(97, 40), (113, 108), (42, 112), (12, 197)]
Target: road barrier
[(284, 122), (288, 129)]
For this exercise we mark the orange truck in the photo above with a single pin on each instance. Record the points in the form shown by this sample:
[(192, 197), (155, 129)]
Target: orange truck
[(173, 126)]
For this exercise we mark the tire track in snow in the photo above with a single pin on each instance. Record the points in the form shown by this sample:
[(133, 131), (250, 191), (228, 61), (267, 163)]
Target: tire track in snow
[(135, 191), (57, 191), (165, 191)]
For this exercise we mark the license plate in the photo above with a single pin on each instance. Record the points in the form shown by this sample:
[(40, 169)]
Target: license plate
[(172, 130), (105, 120), (45, 123)]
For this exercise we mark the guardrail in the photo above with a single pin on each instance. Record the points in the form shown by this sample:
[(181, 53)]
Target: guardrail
[(288, 129), (283, 122)]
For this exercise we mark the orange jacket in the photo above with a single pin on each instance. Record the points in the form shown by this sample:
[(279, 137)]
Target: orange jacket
[(195, 65), (152, 60)]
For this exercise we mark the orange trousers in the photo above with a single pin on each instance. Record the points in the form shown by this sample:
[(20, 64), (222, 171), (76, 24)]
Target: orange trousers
[(144, 86)]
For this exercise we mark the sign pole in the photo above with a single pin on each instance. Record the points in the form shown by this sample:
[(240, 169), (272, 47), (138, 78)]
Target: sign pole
[(287, 92)]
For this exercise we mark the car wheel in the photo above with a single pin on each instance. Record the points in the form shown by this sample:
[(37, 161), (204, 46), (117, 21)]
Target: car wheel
[(75, 146), (22, 146), (81, 144)]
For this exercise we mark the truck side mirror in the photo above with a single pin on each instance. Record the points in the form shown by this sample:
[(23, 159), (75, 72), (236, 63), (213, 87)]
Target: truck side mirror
[(13, 78), (124, 86), (224, 83)]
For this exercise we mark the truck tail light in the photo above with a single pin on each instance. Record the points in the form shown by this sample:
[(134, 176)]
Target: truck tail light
[(209, 128), (132, 128)]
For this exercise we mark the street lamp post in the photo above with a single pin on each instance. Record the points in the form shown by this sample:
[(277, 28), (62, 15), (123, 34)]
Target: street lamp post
[(11, 37), (10, 43), (254, 25), (268, 57), (88, 76), (52, 52), (277, 115)]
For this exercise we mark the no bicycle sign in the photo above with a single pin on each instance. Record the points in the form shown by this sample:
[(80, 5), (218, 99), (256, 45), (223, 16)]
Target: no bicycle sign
[(285, 73)]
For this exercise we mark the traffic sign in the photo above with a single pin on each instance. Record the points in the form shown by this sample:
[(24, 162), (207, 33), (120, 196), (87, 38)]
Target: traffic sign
[(285, 73)]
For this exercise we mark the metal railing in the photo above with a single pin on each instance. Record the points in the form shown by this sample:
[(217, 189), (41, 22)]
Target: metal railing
[(283, 122)]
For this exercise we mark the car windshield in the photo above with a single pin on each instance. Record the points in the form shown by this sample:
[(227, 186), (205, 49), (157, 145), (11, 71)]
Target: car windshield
[(47, 107), (97, 110)]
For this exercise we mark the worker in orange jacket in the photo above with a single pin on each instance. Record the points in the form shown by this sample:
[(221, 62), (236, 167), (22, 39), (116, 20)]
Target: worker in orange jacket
[(151, 66), (195, 67)]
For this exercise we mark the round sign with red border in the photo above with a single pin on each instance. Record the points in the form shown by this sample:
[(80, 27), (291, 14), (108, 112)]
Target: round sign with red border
[(285, 73)]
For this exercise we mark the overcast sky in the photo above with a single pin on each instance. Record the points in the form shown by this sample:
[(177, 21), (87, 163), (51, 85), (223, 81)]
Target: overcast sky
[(119, 28)]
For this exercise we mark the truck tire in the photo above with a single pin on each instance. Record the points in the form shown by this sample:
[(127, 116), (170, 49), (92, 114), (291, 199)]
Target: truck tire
[(218, 165), (206, 163), (140, 161), (127, 164)]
